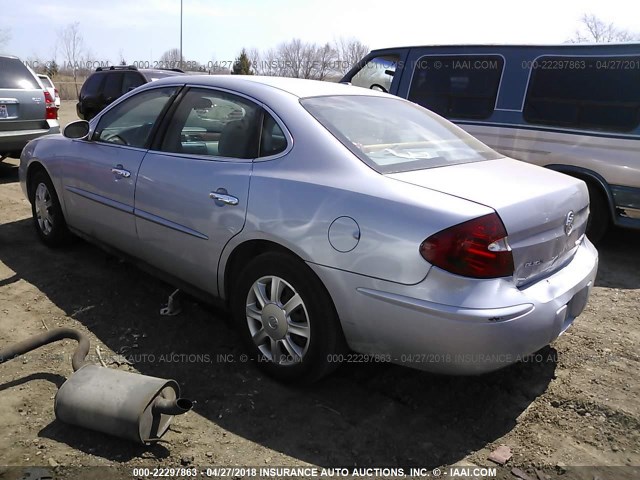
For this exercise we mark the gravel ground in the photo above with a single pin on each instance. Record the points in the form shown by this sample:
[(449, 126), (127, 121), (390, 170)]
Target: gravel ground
[(574, 404)]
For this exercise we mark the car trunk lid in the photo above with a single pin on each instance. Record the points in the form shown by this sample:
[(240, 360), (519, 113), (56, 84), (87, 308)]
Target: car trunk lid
[(544, 212)]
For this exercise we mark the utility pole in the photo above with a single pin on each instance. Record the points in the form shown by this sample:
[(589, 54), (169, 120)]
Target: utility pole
[(180, 34)]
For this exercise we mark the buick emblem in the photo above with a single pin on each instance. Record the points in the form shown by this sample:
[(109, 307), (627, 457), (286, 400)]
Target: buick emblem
[(568, 223), (272, 322)]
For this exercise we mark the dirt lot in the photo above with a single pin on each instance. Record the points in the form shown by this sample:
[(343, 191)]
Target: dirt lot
[(575, 404)]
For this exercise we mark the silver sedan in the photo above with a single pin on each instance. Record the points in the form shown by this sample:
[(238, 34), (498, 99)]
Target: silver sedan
[(330, 219)]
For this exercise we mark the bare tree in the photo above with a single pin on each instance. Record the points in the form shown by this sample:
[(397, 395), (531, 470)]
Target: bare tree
[(325, 60), (172, 59), (36, 63), (350, 51), (290, 58), (299, 59), (72, 45), (596, 30), (268, 63), (254, 60), (88, 63), (5, 36)]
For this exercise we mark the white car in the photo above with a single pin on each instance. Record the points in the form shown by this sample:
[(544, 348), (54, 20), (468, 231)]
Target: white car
[(51, 88)]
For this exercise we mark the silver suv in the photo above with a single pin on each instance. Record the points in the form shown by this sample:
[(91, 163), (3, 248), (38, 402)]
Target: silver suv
[(27, 110)]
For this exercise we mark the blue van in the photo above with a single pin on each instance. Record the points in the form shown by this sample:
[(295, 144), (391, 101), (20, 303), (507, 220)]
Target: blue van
[(573, 108)]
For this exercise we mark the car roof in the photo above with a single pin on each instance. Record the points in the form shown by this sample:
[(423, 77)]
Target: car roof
[(160, 70), (483, 46), (295, 86)]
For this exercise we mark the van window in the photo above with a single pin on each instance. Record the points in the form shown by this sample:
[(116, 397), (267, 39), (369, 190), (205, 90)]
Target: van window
[(599, 93), (464, 86), (377, 73)]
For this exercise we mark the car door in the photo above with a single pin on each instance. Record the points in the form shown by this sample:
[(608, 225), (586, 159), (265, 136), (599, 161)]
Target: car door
[(193, 185), (99, 174)]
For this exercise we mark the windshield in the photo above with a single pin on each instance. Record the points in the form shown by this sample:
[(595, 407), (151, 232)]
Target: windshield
[(393, 135)]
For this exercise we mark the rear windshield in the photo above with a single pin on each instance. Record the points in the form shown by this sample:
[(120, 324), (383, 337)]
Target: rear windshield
[(13, 74), (45, 81), (152, 75), (393, 135)]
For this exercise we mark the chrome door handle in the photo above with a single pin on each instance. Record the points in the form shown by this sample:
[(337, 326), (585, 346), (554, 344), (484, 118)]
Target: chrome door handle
[(223, 198), (120, 171)]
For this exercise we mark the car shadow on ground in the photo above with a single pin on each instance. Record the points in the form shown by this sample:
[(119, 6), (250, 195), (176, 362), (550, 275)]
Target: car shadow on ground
[(619, 259), (364, 414), (8, 172)]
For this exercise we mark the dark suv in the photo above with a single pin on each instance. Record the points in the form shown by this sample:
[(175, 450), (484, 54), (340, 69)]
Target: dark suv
[(107, 84), (27, 110)]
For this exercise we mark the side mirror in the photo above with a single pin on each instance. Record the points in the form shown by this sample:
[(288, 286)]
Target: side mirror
[(77, 129)]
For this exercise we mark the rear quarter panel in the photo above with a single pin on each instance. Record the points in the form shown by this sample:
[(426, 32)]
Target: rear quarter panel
[(294, 199)]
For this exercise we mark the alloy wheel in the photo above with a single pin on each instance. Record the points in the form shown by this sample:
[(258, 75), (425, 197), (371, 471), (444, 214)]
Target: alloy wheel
[(278, 320)]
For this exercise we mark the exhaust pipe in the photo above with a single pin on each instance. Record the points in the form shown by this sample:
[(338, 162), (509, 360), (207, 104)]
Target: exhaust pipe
[(37, 341), (123, 404)]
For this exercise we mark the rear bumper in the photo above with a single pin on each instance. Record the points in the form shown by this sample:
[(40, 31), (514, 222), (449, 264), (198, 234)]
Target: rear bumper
[(453, 325), (15, 141)]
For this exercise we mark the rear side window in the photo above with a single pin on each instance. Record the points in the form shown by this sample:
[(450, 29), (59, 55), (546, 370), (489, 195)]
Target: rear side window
[(214, 123), (131, 81), (113, 86), (14, 75), (598, 93), (92, 85), (272, 138), (457, 86)]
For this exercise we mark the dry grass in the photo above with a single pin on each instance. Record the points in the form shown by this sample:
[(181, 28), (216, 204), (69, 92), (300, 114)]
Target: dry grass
[(66, 86)]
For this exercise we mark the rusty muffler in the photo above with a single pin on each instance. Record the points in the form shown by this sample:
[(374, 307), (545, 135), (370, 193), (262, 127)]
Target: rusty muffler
[(123, 404)]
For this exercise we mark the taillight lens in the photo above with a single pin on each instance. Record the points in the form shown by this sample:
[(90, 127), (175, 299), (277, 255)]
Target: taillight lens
[(50, 106), (477, 248)]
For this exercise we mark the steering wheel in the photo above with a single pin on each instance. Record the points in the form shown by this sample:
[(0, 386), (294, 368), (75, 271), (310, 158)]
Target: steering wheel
[(117, 139), (379, 88)]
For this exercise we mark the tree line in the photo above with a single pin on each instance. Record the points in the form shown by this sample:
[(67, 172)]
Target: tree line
[(293, 58)]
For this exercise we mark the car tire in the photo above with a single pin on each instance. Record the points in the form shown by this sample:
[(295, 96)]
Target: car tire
[(300, 344), (48, 218), (599, 220)]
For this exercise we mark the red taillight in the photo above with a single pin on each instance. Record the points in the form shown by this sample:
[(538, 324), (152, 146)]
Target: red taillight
[(50, 106), (476, 248)]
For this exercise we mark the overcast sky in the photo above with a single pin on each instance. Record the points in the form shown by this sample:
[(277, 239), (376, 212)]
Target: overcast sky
[(144, 29)]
